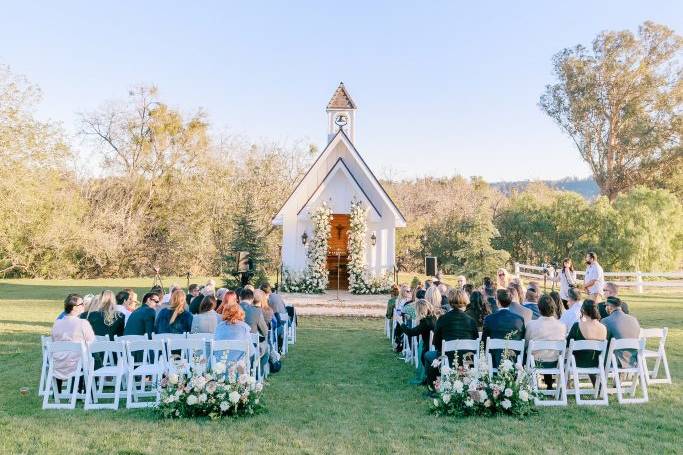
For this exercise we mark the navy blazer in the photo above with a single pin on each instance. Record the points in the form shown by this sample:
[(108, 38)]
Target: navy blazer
[(499, 325), (141, 321), (534, 309)]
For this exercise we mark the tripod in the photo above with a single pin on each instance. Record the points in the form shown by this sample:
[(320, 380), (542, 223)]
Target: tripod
[(337, 299), (157, 279)]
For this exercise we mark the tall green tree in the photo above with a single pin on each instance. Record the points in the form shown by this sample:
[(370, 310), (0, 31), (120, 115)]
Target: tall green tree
[(621, 103)]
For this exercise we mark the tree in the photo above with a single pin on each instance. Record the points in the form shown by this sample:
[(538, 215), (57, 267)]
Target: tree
[(245, 237), (621, 105)]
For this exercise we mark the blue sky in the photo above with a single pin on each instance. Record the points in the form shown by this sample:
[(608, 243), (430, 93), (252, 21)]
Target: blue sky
[(443, 88)]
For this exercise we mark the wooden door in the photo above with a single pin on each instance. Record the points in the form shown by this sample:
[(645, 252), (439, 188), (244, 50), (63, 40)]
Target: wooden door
[(337, 252)]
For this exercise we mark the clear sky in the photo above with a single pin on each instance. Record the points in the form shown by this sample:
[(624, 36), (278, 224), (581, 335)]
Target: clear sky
[(442, 87)]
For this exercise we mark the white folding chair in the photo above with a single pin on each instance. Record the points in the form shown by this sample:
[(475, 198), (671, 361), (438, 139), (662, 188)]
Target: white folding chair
[(630, 375), (125, 338), (502, 344), (256, 370), (387, 327), (573, 372), (44, 342), (113, 366), (221, 349), (102, 338), (284, 318), (168, 336), (148, 371), (189, 355), (459, 346), (659, 355), (60, 349), (560, 392), (208, 336), (415, 348), (291, 329)]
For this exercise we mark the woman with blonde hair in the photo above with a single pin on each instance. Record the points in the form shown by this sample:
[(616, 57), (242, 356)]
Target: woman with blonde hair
[(261, 301), (424, 313), (433, 297), (104, 317), (175, 318), (503, 278)]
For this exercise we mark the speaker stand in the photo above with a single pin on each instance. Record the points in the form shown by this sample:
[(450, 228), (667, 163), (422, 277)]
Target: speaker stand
[(337, 298)]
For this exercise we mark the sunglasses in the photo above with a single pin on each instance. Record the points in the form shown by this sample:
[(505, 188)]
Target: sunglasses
[(155, 301)]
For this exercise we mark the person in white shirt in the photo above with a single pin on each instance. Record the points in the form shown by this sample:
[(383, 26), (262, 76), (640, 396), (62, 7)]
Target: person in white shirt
[(546, 328), (573, 313), (594, 280)]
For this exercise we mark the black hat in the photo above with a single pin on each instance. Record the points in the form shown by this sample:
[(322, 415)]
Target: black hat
[(614, 301)]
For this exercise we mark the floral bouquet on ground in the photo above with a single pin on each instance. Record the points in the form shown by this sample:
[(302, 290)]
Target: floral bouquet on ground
[(225, 390), (474, 390)]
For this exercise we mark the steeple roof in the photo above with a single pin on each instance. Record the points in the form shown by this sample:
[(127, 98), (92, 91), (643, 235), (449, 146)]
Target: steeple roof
[(341, 99)]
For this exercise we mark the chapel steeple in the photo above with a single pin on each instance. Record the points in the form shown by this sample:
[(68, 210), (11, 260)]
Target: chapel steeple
[(341, 112)]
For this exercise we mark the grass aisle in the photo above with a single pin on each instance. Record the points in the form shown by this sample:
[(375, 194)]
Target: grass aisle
[(341, 390)]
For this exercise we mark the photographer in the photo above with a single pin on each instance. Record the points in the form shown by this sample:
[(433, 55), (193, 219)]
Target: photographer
[(567, 279)]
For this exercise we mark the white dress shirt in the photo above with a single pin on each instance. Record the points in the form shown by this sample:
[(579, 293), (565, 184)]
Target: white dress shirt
[(595, 272), (545, 328), (572, 315)]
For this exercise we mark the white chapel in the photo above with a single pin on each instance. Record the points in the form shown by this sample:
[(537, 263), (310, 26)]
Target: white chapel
[(338, 176)]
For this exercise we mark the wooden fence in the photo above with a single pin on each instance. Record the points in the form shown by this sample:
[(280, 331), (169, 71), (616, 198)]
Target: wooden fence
[(638, 280)]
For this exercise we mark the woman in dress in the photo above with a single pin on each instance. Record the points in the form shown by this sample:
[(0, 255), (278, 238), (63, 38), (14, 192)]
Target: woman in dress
[(103, 316), (206, 320), (477, 309), (588, 328), (425, 321), (175, 318), (567, 278)]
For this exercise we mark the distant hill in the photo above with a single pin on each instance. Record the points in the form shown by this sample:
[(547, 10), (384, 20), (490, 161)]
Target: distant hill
[(586, 187)]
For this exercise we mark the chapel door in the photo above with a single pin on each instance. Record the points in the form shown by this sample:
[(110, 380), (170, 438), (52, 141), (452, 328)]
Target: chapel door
[(337, 252)]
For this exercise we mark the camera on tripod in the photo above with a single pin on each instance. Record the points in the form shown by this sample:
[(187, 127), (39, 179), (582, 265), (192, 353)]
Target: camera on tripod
[(549, 268)]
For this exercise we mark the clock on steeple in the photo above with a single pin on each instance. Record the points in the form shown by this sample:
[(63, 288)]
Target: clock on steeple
[(341, 114)]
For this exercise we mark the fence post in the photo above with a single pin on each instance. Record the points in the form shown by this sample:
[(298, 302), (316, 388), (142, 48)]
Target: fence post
[(516, 268), (639, 280)]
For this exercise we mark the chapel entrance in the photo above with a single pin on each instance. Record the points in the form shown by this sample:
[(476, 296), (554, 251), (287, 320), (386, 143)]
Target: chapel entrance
[(338, 243)]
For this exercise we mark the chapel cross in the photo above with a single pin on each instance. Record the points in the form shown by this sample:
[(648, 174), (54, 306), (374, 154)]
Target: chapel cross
[(339, 228)]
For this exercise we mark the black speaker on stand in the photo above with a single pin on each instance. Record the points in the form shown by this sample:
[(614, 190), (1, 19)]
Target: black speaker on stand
[(430, 266)]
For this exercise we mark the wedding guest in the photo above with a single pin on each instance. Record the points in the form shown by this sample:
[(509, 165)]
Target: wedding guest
[(197, 301), (621, 325), (192, 292), (126, 302), (502, 323), (70, 328), (515, 294), (433, 297), (81, 303), (547, 328), (141, 321), (423, 329), (174, 319), (443, 290), (277, 304), (166, 299), (462, 281), (573, 313), (468, 288), (594, 279), (490, 298), (233, 327), (502, 279), (104, 319), (253, 316), (611, 291), (531, 302), (261, 301), (477, 308), (567, 279), (220, 293), (229, 298), (206, 320), (454, 325), (405, 298), (557, 302), (391, 304), (588, 327)]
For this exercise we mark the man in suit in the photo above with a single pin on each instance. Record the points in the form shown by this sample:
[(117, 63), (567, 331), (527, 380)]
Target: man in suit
[(277, 304), (531, 302), (253, 317), (611, 291), (141, 321), (621, 325), (503, 323), (192, 292), (516, 308), (454, 325)]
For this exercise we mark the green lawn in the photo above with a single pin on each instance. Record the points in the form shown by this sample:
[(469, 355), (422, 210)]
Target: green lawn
[(341, 390)]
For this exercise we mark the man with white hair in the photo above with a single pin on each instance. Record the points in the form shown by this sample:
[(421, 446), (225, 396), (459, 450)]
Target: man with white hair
[(462, 281)]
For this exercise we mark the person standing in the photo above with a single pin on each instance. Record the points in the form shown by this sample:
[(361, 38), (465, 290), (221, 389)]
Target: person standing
[(594, 280), (567, 279)]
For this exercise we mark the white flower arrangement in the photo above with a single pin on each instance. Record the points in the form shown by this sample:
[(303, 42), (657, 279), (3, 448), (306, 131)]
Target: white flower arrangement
[(473, 390), (360, 280), (226, 390)]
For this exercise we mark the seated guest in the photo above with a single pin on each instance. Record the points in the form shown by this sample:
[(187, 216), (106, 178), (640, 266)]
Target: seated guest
[(477, 309), (174, 319), (233, 327), (433, 296), (426, 323), (81, 304), (166, 299), (277, 304), (547, 328), (192, 292), (515, 295), (228, 298), (261, 301), (573, 313), (443, 290), (391, 304), (490, 298), (559, 305), (587, 327), (621, 325), (220, 293), (611, 290), (197, 301), (502, 323), (468, 288), (141, 321), (253, 317), (531, 302), (104, 318), (454, 325), (126, 302), (462, 281), (70, 328), (206, 320)]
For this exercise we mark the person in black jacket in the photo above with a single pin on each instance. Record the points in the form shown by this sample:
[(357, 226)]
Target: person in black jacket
[(427, 322), (105, 319), (141, 321), (501, 324), (454, 325)]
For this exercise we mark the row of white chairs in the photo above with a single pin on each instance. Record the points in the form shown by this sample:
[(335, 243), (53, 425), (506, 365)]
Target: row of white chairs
[(657, 353)]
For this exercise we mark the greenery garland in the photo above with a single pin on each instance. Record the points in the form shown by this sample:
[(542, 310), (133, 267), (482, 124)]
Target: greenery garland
[(360, 280)]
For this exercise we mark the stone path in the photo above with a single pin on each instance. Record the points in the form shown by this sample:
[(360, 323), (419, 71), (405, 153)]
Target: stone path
[(326, 305)]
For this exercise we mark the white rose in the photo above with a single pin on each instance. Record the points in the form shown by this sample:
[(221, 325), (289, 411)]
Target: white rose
[(487, 403), (445, 385), (173, 378), (202, 398), (506, 365), (191, 400), (234, 397), (523, 395), (258, 387), (506, 404), (466, 380), (256, 401), (473, 385), (224, 406), (445, 369), (458, 386), (252, 380), (469, 403), (482, 395), (436, 402), (446, 397), (508, 392)]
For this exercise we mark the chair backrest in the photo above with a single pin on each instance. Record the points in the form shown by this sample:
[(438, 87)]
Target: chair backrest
[(125, 338), (168, 336), (44, 342), (546, 345), (201, 335), (500, 343), (588, 345), (102, 338), (194, 344), (106, 346), (230, 345), (625, 343), (155, 348), (459, 345), (66, 346)]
